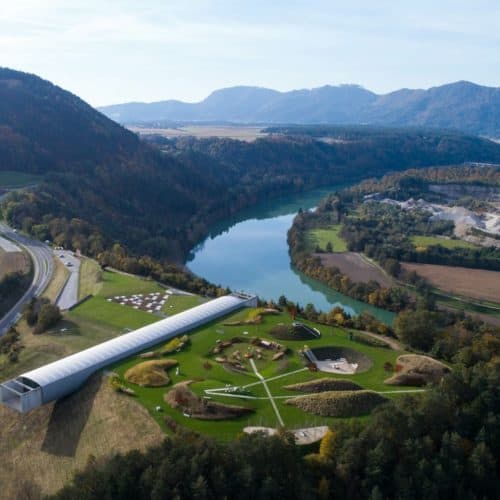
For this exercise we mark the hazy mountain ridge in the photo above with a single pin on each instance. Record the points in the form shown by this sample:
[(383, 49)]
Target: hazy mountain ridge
[(461, 105)]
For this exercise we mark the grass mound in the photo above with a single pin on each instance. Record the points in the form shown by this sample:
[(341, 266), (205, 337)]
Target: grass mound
[(254, 316), (150, 373), (416, 370), (295, 331), (324, 384), (176, 344), (351, 355), (182, 398), (338, 403)]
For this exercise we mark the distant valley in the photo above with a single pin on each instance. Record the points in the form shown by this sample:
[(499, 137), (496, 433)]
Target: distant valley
[(461, 105)]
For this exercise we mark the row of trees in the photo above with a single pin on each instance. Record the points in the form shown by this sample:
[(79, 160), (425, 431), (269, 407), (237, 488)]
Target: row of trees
[(41, 314)]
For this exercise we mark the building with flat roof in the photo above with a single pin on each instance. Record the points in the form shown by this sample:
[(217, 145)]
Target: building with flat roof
[(60, 378)]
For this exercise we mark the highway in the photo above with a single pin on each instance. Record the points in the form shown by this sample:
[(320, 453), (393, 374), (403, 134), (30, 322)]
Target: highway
[(43, 268)]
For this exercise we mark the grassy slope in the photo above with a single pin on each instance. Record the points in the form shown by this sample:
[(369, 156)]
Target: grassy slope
[(320, 237), (59, 278), (90, 281)]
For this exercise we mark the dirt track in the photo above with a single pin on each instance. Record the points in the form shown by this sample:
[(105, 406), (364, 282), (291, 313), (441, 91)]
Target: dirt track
[(476, 283), (354, 266)]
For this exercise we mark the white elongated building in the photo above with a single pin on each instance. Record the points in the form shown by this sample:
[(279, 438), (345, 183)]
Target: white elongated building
[(62, 377)]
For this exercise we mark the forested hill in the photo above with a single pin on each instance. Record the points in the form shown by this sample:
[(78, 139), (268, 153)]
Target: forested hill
[(461, 105), (102, 185)]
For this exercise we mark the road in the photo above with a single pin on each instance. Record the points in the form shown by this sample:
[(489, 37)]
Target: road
[(43, 268), (69, 294)]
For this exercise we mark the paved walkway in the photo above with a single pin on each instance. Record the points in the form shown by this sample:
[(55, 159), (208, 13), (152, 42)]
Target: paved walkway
[(264, 383)]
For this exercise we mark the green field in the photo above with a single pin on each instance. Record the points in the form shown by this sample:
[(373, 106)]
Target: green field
[(427, 241), (193, 358), (112, 314), (10, 179), (178, 303), (123, 284), (320, 238)]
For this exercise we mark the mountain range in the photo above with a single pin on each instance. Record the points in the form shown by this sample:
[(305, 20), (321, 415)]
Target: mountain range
[(461, 105), (99, 184)]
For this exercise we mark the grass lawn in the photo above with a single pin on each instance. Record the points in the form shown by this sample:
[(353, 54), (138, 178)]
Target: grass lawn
[(178, 303), (320, 237), (58, 280), (124, 284), (90, 280), (193, 358), (13, 179), (427, 241), (112, 314)]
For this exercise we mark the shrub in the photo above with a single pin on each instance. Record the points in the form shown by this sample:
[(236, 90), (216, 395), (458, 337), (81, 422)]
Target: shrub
[(388, 367)]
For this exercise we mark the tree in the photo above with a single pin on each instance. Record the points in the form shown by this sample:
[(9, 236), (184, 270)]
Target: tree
[(417, 328), (329, 247), (48, 316)]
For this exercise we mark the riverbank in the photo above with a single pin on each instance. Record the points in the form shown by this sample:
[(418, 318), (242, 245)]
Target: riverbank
[(250, 252)]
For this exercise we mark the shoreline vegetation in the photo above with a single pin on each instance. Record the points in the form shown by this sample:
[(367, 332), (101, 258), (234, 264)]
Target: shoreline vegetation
[(387, 235)]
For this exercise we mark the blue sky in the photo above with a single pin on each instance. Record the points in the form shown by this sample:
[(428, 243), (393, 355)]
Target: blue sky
[(111, 51)]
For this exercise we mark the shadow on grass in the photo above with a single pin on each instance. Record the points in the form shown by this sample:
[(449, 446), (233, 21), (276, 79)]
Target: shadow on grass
[(68, 419)]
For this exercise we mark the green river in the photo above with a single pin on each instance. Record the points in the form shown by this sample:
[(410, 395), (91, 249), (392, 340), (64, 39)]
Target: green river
[(249, 252)]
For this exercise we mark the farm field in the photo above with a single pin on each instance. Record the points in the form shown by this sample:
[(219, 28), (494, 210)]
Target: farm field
[(320, 238), (356, 267), (476, 283), (238, 132), (427, 241)]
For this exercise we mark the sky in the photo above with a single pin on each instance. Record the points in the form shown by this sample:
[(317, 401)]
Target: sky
[(111, 51)]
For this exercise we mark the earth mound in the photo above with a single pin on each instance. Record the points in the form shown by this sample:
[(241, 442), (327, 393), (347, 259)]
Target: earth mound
[(324, 384), (417, 370), (338, 403), (185, 400), (150, 373), (295, 331)]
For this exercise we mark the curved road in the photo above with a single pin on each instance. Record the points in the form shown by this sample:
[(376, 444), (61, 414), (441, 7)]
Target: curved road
[(43, 268)]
